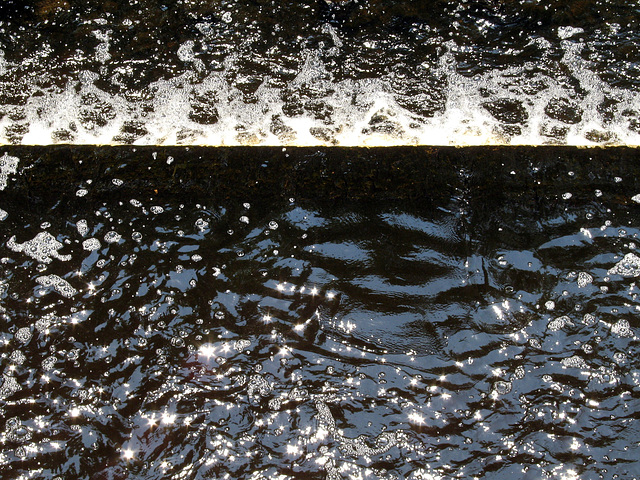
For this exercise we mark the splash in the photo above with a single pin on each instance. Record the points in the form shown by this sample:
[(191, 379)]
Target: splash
[(347, 74)]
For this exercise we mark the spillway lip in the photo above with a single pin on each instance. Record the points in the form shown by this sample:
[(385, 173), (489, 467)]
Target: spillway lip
[(323, 146)]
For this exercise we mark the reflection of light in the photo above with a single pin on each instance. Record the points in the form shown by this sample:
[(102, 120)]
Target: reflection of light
[(416, 417), (74, 412), (569, 475), (207, 350), (168, 418), (314, 291), (266, 318), (128, 454), (293, 450), (151, 421)]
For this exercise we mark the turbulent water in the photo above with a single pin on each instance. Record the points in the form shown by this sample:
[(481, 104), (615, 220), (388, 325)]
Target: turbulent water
[(320, 72), (478, 322)]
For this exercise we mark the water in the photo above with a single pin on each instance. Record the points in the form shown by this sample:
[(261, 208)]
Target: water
[(281, 312), (320, 72), (327, 313)]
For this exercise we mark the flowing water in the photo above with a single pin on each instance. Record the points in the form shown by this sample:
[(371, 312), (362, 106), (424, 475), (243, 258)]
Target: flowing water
[(323, 312), (329, 313), (320, 72)]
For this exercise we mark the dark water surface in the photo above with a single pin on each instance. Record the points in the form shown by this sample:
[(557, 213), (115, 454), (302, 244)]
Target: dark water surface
[(316, 313), (321, 72)]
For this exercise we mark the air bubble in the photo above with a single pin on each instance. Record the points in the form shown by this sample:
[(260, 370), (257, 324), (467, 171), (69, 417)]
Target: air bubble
[(112, 237), (91, 244)]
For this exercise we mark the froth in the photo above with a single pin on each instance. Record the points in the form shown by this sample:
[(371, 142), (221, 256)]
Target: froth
[(546, 101)]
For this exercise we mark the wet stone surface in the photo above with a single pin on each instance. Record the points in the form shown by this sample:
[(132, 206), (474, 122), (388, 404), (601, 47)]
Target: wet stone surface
[(484, 333)]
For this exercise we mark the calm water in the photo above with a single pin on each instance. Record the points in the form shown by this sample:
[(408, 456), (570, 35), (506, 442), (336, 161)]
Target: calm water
[(163, 317), (320, 72)]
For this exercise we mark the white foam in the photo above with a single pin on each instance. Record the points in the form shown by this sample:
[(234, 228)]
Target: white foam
[(357, 112)]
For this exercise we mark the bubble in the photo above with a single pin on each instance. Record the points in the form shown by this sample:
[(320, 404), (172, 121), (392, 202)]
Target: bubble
[(112, 237), (258, 386), (117, 182), (620, 357), (91, 244), (574, 362), (49, 362), (81, 193), (241, 345), (202, 224), (567, 32), (45, 322), (629, 266), (584, 279), (60, 285), (9, 386), (82, 227), (17, 432), (622, 329), (17, 357), (43, 247), (559, 323), (23, 334), (502, 387), (273, 225), (137, 236), (8, 166), (156, 209)]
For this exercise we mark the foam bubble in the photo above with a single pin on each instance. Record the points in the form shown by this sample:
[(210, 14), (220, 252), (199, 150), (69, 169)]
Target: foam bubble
[(60, 285), (8, 166), (43, 247), (629, 266), (309, 104)]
